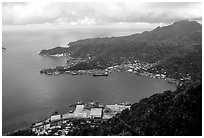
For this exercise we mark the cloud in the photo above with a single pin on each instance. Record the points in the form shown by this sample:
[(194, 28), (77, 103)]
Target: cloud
[(29, 13), (98, 13)]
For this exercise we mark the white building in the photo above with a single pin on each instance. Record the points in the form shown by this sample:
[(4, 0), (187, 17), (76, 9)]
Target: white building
[(55, 117), (107, 116), (79, 112), (79, 108), (67, 116), (38, 124), (117, 108), (96, 113)]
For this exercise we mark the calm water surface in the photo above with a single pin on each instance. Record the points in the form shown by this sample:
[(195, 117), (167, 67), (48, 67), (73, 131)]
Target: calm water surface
[(28, 96)]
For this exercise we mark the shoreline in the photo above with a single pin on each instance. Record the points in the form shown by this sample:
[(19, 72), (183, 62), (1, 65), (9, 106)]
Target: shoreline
[(14, 131), (95, 104), (136, 67)]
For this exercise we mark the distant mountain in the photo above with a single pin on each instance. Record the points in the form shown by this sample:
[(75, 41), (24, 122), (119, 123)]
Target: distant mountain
[(171, 32), (180, 40)]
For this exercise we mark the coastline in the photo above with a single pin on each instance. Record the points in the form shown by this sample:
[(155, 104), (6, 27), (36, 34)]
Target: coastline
[(14, 131), (76, 111)]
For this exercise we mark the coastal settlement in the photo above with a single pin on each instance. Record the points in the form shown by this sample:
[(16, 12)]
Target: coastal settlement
[(136, 67), (91, 114)]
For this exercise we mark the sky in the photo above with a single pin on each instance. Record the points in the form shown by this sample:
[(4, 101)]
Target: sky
[(42, 15)]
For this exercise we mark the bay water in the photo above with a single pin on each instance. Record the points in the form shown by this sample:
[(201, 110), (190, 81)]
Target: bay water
[(28, 96)]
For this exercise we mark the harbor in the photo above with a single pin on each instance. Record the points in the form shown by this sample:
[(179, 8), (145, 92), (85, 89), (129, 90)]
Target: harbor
[(136, 67)]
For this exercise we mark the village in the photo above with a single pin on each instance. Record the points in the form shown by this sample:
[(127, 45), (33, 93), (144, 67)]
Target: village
[(82, 113), (136, 67), (133, 67)]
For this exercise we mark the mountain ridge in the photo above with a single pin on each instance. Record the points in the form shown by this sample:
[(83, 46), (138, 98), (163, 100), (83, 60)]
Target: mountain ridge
[(156, 46), (177, 24)]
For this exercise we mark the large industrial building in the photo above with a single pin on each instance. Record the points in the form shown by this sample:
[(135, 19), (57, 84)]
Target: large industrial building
[(96, 113)]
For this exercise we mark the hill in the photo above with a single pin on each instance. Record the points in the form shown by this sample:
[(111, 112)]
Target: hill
[(169, 113), (177, 113), (179, 44)]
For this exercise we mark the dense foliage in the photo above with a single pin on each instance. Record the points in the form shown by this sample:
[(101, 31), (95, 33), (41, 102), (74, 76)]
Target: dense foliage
[(168, 113)]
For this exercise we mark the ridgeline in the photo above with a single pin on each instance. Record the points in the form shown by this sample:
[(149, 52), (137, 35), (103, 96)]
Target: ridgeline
[(176, 48)]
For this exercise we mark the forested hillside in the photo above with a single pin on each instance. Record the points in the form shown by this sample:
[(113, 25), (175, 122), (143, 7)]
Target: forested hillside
[(169, 113)]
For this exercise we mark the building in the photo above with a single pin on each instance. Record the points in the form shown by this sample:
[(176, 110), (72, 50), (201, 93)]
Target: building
[(67, 116), (107, 116), (123, 107), (117, 108), (80, 112), (47, 126), (96, 113), (79, 108), (38, 124), (55, 117), (81, 115)]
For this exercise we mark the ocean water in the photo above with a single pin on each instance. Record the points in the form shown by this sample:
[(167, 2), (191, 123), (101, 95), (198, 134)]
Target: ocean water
[(28, 96)]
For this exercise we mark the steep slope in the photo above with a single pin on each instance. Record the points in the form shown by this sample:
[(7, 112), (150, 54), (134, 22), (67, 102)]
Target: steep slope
[(182, 27), (169, 113), (161, 37)]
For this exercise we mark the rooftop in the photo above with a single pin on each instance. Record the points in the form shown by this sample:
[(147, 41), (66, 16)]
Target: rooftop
[(96, 112)]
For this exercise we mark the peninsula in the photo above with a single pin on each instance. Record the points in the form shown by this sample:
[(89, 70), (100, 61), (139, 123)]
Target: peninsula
[(173, 52)]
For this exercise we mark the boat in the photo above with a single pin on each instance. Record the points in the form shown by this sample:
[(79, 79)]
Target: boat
[(56, 73), (74, 73), (49, 73)]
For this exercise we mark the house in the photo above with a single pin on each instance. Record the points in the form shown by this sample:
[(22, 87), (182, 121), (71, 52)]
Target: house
[(38, 124), (96, 113), (47, 126), (55, 117)]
